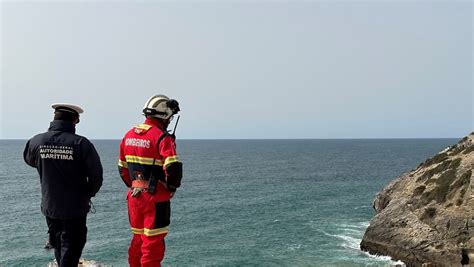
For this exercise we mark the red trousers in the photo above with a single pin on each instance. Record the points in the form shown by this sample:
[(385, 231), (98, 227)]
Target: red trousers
[(149, 219)]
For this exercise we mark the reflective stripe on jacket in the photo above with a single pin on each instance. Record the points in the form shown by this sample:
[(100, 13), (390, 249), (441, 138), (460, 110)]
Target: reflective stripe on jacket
[(147, 149)]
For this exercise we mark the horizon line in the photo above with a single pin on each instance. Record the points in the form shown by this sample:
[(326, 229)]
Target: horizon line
[(263, 139)]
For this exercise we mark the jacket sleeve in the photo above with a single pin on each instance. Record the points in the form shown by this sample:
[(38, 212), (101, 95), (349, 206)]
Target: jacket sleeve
[(172, 165), (123, 166), (29, 155), (93, 170)]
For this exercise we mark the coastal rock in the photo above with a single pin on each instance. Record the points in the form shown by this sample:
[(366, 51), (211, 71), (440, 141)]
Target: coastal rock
[(425, 217), (82, 263)]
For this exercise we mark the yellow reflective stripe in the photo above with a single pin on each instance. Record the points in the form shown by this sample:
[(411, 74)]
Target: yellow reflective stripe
[(172, 159), (150, 232), (137, 231), (123, 164), (143, 126), (157, 231), (143, 160)]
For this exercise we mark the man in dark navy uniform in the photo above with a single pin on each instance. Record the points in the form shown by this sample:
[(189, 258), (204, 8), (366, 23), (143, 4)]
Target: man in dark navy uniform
[(70, 174)]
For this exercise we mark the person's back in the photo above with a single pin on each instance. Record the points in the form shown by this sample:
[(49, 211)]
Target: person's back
[(150, 167), (70, 174)]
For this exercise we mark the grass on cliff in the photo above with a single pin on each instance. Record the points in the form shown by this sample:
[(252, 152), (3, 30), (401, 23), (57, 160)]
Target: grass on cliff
[(463, 183), (455, 150), (436, 159), (445, 165), (460, 147), (446, 186), (441, 189), (428, 214), (468, 150), (419, 190)]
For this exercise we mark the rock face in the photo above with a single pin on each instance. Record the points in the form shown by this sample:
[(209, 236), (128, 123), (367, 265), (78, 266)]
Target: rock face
[(82, 263), (426, 215)]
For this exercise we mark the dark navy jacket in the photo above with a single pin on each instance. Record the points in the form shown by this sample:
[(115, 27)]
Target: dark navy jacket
[(69, 168)]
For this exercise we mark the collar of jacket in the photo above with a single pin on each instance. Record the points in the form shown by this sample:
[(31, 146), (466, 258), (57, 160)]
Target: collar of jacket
[(63, 126), (155, 122)]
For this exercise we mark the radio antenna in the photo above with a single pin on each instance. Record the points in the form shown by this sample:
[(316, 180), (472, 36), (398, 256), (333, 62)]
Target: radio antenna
[(175, 125)]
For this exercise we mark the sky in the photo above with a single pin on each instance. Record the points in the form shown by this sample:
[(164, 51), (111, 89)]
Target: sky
[(242, 69)]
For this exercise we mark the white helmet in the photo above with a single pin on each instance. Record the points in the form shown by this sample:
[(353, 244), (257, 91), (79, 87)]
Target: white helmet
[(160, 106)]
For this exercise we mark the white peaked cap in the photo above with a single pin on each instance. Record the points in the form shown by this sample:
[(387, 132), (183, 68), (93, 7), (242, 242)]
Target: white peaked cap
[(67, 107)]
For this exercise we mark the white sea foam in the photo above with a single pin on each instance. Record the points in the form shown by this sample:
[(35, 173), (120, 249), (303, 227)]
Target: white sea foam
[(351, 230), (349, 242), (361, 225), (363, 207), (350, 236), (293, 247)]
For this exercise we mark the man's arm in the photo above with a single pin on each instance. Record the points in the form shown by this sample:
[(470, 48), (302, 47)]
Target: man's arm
[(93, 170), (29, 155), (123, 167), (172, 166)]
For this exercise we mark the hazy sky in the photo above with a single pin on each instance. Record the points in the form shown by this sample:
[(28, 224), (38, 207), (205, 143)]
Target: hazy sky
[(242, 69)]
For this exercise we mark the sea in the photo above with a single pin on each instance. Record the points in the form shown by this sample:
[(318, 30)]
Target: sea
[(241, 203)]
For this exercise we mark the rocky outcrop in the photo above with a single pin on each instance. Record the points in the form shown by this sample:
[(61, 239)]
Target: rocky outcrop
[(82, 263), (426, 216)]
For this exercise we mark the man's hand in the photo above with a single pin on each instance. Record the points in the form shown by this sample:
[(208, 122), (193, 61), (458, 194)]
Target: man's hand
[(136, 191), (166, 187)]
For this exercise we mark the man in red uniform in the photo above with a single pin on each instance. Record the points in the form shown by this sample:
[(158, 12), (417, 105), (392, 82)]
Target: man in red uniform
[(150, 167)]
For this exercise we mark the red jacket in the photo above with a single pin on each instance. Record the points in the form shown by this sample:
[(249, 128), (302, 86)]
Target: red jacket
[(147, 149)]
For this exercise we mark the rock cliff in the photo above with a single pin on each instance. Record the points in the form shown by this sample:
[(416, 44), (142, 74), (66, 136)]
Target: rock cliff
[(426, 215)]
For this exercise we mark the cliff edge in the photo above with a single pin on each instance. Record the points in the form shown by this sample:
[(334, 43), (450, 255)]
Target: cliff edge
[(426, 215)]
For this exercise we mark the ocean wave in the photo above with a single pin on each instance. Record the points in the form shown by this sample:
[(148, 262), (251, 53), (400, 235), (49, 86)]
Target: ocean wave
[(350, 236), (362, 207), (351, 230), (380, 257), (355, 230), (360, 225), (293, 247), (349, 242)]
